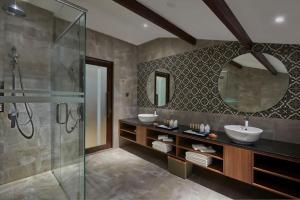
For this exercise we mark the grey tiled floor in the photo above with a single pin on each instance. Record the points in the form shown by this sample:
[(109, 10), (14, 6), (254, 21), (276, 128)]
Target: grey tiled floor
[(39, 187), (118, 174), (133, 174)]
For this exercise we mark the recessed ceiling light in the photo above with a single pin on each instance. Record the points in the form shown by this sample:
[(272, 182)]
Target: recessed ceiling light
[(279, 19), (145, 25)]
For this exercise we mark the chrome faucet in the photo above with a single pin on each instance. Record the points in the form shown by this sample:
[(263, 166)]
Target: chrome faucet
[(246, 122)]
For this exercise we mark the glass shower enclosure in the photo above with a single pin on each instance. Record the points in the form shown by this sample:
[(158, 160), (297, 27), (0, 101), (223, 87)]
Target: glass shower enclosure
[(42, 97)]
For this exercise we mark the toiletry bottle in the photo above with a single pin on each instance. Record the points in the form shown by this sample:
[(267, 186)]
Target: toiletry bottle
[(175, 123), (207, 129), (202, 128), (171, 123)]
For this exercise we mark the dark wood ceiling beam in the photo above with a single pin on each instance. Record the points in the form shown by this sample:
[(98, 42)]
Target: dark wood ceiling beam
[(224, 13), (155, 18), (238, 65), (264, 61)]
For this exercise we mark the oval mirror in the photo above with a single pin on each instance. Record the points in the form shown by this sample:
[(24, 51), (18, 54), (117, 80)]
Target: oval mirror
[(247, 85), (160, 87)]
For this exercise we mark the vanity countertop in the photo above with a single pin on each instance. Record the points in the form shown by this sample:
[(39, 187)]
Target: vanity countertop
[(262, 145)]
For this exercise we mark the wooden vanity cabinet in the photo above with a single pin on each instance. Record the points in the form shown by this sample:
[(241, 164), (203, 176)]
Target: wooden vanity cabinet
[(266, 170), (238, 163), (141, 135)]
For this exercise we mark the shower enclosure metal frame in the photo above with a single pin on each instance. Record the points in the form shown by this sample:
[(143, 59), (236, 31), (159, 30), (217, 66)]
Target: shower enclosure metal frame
[(78, 22)]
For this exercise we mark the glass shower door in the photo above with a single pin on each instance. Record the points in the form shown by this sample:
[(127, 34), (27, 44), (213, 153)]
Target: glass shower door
[(67, 87)]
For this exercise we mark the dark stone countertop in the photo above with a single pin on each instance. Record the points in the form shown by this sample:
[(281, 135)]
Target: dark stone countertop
[(278, 148)]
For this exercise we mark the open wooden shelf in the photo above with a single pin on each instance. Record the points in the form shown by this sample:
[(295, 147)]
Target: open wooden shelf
[(128, 128), (271, 171), (128, 131), (277, 167), (127, 135), (215, 166), (129, 138), (277, 185)]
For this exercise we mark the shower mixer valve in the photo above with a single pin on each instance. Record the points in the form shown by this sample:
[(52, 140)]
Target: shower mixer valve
[(12, 116)]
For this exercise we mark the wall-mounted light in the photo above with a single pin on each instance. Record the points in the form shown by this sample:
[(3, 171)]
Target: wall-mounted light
[(145, 25), (1, 94), (279, 19)]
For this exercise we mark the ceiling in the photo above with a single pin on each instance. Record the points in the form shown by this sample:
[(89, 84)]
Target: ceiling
[(193, 16)]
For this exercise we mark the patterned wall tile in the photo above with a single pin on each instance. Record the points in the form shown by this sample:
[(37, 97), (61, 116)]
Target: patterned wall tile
[(196, 75)]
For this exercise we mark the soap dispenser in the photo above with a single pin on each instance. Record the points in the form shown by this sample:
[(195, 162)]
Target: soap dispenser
[(171, 123), (207, 129), (202, 128), (175, 123)]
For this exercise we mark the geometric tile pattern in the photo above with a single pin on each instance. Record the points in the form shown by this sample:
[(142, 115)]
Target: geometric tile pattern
[(196, 75)]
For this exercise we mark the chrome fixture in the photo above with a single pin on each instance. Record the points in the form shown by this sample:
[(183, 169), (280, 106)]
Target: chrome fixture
[(13, 111), (246, 122), (13, 9)]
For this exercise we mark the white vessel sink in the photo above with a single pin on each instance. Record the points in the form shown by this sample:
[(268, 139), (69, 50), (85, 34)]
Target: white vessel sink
[(240, 135), (147, 118)]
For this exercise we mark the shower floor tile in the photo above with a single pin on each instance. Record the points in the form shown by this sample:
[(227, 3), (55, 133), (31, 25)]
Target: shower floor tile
[(39, 187)]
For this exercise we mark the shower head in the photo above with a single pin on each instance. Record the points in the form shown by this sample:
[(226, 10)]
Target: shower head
[(14, 10)]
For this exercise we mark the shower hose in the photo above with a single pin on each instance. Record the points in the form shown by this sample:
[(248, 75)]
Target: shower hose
[(28, 111)]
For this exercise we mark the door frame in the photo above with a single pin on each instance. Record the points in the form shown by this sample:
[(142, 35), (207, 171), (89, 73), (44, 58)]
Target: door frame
[(109, 126)]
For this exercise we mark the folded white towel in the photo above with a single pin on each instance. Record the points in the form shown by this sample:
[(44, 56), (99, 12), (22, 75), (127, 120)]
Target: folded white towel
[(160, 143), (161, 137), (197, 147), (203, 148), (196, 155), (161, 146), (201, 163), (167, 140), (198, 158), (208, 150), (162, 149)]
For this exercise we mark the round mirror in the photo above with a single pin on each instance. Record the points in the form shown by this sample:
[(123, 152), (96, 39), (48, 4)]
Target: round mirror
[(160, 87), (253, 84)]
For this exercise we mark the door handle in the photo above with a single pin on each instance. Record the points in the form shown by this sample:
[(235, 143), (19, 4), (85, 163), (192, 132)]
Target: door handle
[(59, 109)]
